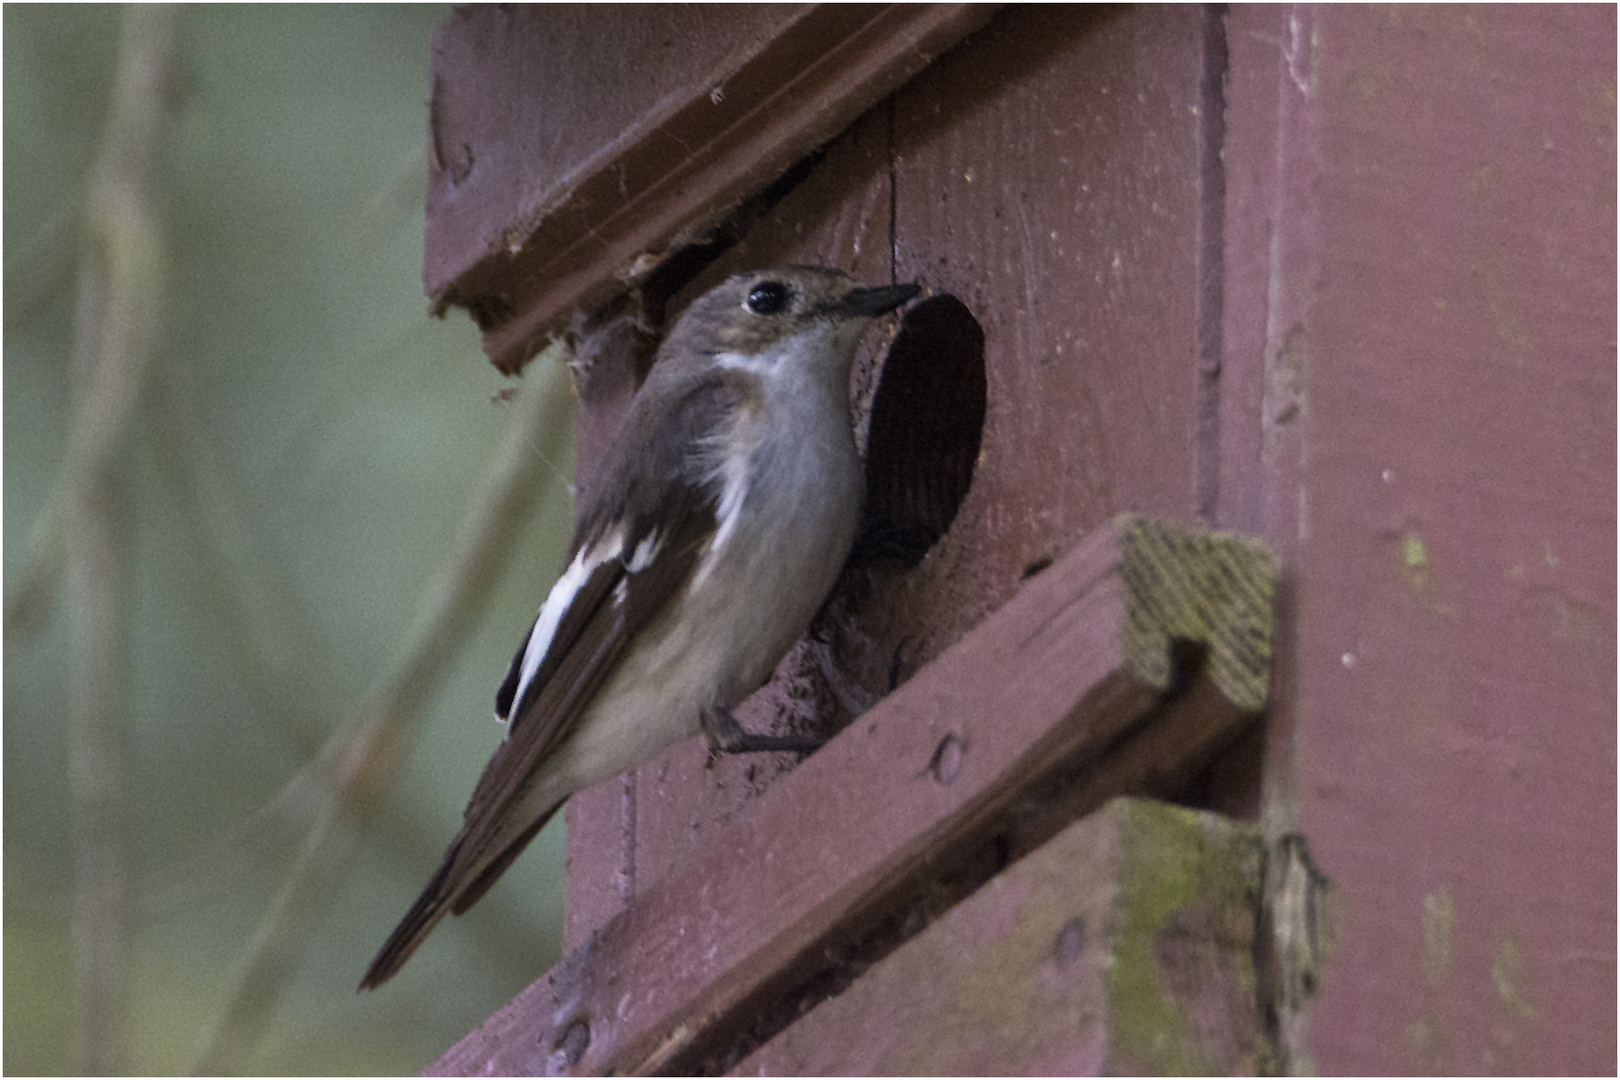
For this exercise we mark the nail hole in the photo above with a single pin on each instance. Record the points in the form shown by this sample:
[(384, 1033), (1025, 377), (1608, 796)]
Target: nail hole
[(947, 759), (1035, 567), (1070, 944), (574, 1042)]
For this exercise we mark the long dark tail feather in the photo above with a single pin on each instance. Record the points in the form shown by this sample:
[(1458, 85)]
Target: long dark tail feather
[(474, 890), (441, 898), (418, 922)]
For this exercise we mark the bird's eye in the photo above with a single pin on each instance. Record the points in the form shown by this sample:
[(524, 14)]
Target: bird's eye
[(767, 298)]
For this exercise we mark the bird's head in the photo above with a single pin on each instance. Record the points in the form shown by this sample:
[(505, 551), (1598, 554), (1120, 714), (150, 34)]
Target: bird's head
[(801, 315)]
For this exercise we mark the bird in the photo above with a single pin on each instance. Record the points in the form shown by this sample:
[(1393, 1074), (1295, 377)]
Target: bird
[(721, 518)]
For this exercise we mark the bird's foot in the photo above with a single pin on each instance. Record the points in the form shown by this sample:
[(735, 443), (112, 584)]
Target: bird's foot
[(726, 736)]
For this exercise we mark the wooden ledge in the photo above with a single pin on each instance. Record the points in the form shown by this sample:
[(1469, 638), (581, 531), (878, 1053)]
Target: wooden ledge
[(1075, 691), (526, 225), (1124, 946)]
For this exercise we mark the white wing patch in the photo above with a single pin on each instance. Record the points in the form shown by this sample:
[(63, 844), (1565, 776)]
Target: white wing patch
[(733, 473), (641, 558), (645, 552), (562, 595)]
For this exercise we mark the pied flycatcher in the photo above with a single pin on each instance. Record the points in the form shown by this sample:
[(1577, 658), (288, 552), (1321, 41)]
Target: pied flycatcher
[(723, 514)]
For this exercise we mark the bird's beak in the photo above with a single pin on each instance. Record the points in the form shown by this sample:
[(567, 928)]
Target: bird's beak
[(874, 302)]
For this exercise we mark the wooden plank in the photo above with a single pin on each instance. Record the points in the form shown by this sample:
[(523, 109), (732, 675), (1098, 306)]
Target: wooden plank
[(1125, 945), (531, 221), (1062, 699), (1043, 175), (1430, 278), (528, 101)]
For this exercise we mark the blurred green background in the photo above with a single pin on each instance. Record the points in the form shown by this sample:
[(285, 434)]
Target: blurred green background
[(303, 454)]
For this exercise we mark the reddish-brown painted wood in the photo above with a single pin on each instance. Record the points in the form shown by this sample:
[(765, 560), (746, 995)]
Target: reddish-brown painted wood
[(1421, 352), (1123, 946), (1046, 175), (528, 100), (1050, 175)]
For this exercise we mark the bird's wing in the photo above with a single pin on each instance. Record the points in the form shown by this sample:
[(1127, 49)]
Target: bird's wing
[(637, 544)]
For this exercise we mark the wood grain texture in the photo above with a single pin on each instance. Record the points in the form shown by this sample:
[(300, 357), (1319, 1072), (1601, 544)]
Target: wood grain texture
[(1042, 175), (1423, 314), (1123, 946), (1031, 720)]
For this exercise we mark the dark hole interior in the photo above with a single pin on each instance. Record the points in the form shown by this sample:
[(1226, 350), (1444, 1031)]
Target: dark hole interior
[(923, 440)]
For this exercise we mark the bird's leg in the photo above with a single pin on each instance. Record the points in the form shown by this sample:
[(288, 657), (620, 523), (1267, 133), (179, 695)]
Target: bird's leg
[(726, 736)]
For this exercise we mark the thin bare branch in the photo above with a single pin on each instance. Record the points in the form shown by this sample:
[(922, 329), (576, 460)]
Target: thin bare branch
[(120, 298)]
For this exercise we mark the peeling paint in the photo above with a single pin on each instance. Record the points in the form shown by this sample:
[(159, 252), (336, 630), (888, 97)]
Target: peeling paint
[(1510, 979), (1415, 557), (1427, 1034), (1439, 924)]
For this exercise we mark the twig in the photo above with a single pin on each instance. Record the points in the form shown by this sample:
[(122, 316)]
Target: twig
[(120, 295)]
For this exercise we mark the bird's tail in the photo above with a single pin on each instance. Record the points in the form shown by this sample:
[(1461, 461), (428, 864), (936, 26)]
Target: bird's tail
[(430, 907), (456, 887)]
